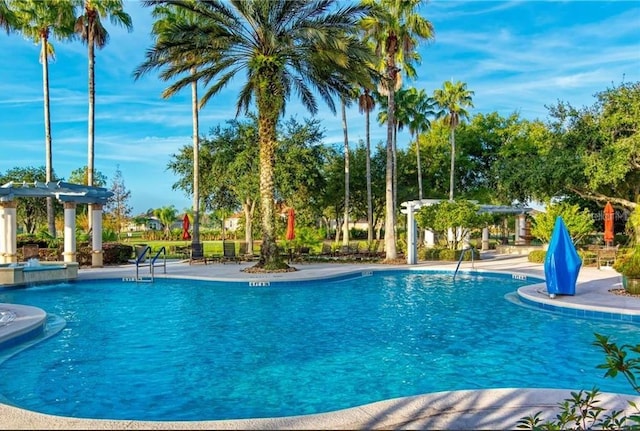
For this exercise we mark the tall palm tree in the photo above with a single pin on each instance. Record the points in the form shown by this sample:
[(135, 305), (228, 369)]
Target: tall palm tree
[(366, 103), (6, 17), (345, 101), (89, 26), (416, 108), (169, 20), (453, 99), (345, 226), (40, 20), (280, 47), (396, 28)]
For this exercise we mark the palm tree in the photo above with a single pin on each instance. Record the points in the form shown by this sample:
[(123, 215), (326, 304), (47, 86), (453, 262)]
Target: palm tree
[(280, 47), (167, 216), (366, 103), (92, 32), (395, 27), (414, 108), (345, 101), (453, 99), (40, 20), (169, 19), (6, 17), (345, 226)]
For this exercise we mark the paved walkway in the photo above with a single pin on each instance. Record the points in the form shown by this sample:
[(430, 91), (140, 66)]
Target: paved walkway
[(482, 409)]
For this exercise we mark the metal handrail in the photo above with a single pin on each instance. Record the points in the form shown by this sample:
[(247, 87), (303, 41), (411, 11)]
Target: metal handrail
[(164, 261), (142, 257), (152, 261), (460, 260)]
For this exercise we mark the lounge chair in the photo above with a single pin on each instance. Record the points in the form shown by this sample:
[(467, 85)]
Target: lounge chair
[(229, 252), (197, 253), (243, 251)]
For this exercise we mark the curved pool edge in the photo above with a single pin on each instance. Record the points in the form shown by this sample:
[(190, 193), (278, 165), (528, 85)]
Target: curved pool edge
[(592, 299), (459, 410), (28, 322)]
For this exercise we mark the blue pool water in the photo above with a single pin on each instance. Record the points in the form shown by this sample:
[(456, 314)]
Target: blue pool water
[(196, 350)]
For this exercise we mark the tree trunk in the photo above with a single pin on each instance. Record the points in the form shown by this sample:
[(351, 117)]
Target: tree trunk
[(419, 169), (395, 167), (51, 221), (195, 236), (91, 118), (267, 137), (390, 213), (345, 233), (452, 141), (369, 198), (248, 208)]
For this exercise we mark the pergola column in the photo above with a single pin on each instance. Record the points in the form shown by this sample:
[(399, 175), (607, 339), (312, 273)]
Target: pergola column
[(429, 238), (69, 254), (9, 225), (521, 225), (412, 257), (96, 236), (485, 238)]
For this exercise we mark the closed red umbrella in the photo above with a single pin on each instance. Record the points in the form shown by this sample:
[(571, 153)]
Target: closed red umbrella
[(291, 220), (609, 213), (185, 228)]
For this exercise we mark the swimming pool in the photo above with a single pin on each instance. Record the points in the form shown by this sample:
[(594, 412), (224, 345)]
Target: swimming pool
[(200, 350)]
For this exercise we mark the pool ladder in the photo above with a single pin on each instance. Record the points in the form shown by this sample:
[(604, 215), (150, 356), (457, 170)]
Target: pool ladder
[(460, 260), (145, 259)]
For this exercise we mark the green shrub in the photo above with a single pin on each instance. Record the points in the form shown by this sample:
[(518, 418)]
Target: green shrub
[(83, 254), (445, 254), (537, 256), (429, 253), (448, 254), (29, 238), (629, 263), (588, 257), (116, 253)]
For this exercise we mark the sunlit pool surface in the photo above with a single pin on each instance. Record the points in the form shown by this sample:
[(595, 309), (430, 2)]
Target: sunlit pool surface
[(198, 350)]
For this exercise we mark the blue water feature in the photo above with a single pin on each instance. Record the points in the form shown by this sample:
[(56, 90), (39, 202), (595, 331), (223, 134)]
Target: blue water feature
[(198, 350)]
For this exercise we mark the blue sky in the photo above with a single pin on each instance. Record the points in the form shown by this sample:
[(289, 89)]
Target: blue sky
[(516, 56)]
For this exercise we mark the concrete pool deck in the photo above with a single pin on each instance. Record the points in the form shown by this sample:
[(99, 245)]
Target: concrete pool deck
[(473, 409)]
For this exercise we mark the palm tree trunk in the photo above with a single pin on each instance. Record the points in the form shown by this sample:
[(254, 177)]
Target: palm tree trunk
[(267, 136), (369, 198), (419, 169), (195, 237), (452, 141), (395, 167), (91, 119), (345, 234), (51, 221), (390, 213), (248, 207)]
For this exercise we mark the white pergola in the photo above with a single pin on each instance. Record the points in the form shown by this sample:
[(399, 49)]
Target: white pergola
[(70, 195), (410, 207)]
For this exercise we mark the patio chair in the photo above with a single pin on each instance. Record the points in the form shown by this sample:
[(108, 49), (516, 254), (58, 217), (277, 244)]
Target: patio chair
[(197, 253), (243, 253), (229, 252)]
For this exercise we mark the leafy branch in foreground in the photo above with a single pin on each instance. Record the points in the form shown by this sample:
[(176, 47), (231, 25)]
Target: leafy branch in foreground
[(581, 411)]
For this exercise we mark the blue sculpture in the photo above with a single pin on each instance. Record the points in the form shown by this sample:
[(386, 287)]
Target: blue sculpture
[(562, 263)]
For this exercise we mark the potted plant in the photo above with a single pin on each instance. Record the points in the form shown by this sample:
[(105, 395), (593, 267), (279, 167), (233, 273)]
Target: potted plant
[(629, 267)]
